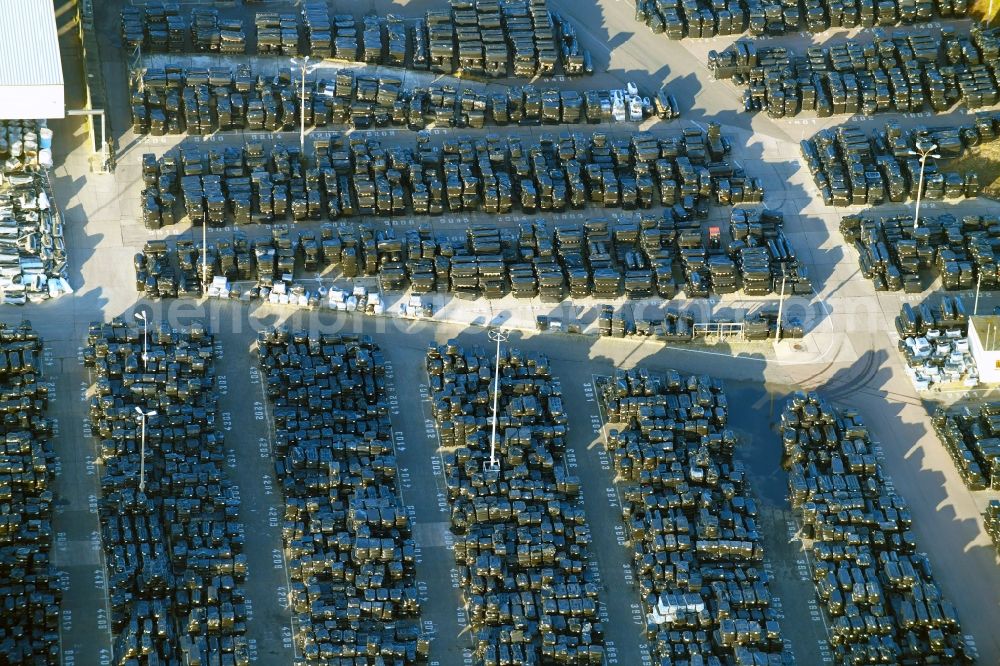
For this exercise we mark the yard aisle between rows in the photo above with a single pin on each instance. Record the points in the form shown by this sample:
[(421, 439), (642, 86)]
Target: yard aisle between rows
[(246, 424), (424, 492)]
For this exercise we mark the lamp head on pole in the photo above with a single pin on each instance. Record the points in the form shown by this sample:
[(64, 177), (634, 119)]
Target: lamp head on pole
[(303, 63), (924, 149), (498, 335), (491, 467), (141, 316)]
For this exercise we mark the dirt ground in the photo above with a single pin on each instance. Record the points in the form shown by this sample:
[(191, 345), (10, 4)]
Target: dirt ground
[(984, 160), (981, 7)]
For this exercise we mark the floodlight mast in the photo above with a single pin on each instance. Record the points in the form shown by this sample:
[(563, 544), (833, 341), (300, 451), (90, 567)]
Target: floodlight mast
[(303, 64), (141, 316), (142, 451), (492, 465), (781, 302), (924, 151), (204, 257)]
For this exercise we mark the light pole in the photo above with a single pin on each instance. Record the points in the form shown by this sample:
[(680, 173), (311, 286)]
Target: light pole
[(141, 316), (781, 302), (979, 283), (204, 257), (492, 466), (925, 152), (303, 64), (142, 451)]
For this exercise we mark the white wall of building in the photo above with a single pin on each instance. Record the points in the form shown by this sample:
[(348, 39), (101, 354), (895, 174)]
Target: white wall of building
[(987, 362), (32, 102)]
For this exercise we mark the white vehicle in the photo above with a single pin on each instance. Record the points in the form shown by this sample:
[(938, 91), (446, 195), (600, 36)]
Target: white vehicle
[(58, 286), (953, 333), (919, 346), (631, 88), (933, 334), (962, 344), (35, 282), (635, 109), (618, 106), (31, 265)]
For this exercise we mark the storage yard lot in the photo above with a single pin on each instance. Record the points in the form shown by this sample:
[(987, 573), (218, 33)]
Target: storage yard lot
[(577, 366), (849, 356)]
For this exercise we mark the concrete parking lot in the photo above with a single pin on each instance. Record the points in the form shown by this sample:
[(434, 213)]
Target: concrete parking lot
[(850, 357)]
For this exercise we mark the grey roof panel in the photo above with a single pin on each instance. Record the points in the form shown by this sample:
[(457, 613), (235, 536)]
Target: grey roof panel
[(29, 44)]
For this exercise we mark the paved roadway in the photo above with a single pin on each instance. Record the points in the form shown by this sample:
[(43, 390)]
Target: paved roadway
[(249, 431), (424, 491), (851, 357), (84, 628)]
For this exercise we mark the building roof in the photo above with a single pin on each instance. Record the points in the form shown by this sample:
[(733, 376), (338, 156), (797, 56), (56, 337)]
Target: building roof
[(987, 329), (29, 44), (31, 76)]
